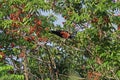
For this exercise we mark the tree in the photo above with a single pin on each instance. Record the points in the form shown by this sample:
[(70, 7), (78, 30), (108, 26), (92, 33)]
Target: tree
[(28, 51)]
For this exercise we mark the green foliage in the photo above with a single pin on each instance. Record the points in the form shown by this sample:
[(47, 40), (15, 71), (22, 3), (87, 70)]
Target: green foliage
[(6, 73), (28, 48)]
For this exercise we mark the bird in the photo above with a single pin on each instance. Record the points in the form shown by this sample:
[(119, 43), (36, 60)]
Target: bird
[(62, 34), (67, 35)]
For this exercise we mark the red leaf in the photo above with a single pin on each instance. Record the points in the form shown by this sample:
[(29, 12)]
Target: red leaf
[(22, 55), (2, 54), (118, 27), (12, 44)]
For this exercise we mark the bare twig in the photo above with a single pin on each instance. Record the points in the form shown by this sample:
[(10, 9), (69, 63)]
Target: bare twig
[(52, 65), (26, 77)]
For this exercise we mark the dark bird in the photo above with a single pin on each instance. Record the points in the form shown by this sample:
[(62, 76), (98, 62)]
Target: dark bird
[(62, 34), (66, 34)]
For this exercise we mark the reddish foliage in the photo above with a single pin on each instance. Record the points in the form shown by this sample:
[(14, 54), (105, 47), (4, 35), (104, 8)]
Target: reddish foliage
[(32, 29), (12, 44), (21, 19), (18, 13), (98, 60), (1, 46), (15, 25), (2, 54), (32, 38), (37, 33), (39, 28), (106, 19), (42, 39), (94, 20), (37, 22), (47, 29), (118, 27), (96, 78), (23, 5), (93, 75), (14, 31), (89, 75), (97, 74), (21, 55), (65, 17), (12, 15), (27, 38), (29, 15)]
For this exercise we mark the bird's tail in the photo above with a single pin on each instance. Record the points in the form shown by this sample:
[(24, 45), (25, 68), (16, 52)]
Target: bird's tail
[(54, 32)]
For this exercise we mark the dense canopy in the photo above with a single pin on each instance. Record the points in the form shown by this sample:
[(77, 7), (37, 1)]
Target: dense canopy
[(29, 51)]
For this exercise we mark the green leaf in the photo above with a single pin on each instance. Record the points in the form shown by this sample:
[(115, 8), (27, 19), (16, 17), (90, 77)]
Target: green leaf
[(118, 73)]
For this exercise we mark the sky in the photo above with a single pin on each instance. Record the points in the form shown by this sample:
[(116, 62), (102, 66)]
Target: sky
[(59, 20)]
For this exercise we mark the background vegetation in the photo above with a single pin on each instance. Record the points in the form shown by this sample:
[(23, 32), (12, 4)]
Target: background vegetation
[(29, 52)]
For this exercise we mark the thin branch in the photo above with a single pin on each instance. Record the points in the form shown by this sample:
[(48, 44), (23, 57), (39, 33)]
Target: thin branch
[(52, 64), (26, 77)]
